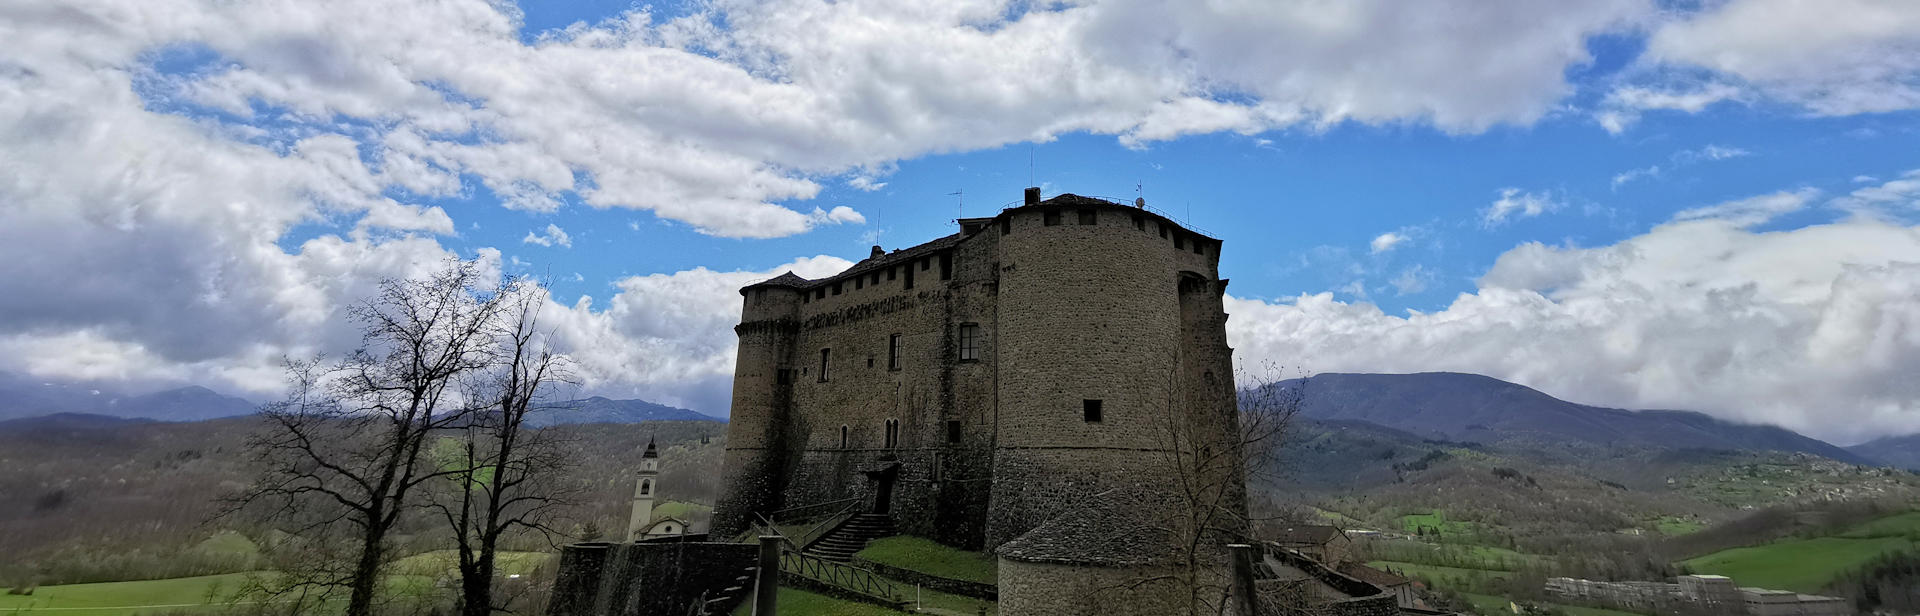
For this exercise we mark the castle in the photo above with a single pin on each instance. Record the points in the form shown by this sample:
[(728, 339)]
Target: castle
[(1044, 385)]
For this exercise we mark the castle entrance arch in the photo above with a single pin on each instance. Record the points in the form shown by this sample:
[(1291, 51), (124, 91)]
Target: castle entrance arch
[(882, 484)]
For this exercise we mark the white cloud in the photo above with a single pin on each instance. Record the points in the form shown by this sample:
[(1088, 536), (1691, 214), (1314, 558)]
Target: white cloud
[(1752, 210), (1839, 57), (1411, 280), (554, 236), (667, 337), (1817, 329), (1387, 241), (840, 214), (1895, 198), (1516, 203), (1624, 177)]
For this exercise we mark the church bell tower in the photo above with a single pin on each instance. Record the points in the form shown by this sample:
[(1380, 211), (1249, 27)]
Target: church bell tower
[(643, 488)]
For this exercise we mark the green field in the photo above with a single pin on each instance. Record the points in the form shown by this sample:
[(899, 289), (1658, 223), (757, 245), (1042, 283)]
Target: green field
[(118, 598), (932, 558), (1807, 565), (1435, 521), (1446, 577), (446, 562), (1673, 526)]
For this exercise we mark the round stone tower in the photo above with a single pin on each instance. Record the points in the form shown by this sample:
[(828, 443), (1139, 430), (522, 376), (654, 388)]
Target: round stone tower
[(762, 399), (1091, 377)]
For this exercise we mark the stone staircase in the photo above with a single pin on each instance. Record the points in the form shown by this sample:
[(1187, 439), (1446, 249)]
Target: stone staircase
[(723, 601), (850, 537)]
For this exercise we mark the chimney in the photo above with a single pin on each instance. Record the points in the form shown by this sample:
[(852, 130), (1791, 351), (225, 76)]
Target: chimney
[(877, 253), (1033, 195)]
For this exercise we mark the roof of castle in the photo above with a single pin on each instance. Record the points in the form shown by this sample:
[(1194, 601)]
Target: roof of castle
[(1100, 532), (1306, 535), (1371, 575), (794, 281)]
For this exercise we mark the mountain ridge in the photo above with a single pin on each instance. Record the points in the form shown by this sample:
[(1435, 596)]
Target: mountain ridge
[(1478, 408)]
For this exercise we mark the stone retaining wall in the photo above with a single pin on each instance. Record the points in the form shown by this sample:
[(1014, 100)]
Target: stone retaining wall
[(929, 581)]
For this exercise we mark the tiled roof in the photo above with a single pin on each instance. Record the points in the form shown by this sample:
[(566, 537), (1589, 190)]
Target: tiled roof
[(1306, 535), (1097, 533)]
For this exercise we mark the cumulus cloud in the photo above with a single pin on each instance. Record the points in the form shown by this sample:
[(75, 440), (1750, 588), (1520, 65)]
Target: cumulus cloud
[(1516, 203), (1830, 58), (553, 236), (1387, 241), (1707, 153), (1817, 328), (667, 337), (1752, 210)]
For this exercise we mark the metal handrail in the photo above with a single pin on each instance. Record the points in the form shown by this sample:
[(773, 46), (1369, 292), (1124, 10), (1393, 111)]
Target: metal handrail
[(825, 524), (1128, 203), (839, 575), (789, 514)]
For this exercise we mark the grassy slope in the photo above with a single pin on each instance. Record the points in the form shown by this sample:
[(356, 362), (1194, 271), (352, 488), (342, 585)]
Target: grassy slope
[(117, 598), (932, 558), (1807, 565)]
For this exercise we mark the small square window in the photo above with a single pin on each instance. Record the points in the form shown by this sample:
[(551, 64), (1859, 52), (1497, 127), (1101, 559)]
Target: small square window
[(1163, 229), (953, 430), (1139, 222), (836, 288), (859, 283), (891, 273), (1179, 241), (1051, 217), (1090, 411), (1089, 217), (876, 278)]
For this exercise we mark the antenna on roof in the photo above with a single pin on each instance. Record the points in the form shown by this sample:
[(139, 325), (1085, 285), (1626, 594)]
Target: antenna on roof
[(960, 201), (1030, 164)]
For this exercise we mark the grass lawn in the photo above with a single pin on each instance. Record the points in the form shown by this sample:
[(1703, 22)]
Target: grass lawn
[(1902, 525), (932, 558), (795, 602), (681, 510), (1800, 565), (1674, 527), (118, 598), (1436, 520), (446, 562)]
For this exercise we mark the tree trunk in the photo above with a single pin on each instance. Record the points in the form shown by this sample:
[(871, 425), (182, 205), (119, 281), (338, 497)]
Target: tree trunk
[(366, 574)]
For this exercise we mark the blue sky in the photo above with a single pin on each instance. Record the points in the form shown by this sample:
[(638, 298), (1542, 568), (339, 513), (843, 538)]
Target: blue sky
[(1706, 205)]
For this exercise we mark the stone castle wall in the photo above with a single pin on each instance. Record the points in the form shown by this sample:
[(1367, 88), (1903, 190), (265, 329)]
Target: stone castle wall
[(1066, 312)]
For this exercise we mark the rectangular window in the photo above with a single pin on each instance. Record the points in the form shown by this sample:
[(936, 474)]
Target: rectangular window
[(892, 272), (876, 278), (806, 298), (1089, 217), (1179, 241), (893, 352), (953, 430), (1139, 222), (1006, 225), (1090, 410), (1163, 229), (825, 355), (908, 270), (836, 288), (783, 376), (1196, 246), (969, 342), (1051, 217), (925, 263), (820, 293), (859, 283), (946, 266)]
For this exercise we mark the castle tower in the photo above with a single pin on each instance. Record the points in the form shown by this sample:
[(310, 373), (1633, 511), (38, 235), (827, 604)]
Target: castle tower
[(762, 398), (644, 487)]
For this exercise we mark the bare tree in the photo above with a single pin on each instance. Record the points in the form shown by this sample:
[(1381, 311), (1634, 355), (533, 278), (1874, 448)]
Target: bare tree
[(505, 477), (1208, 461), (346, 447)]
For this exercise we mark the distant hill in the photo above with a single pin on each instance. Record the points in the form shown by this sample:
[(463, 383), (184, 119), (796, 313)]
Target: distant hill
[(605, 410), (1475, 408), (26, 397), (1900, 451)]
